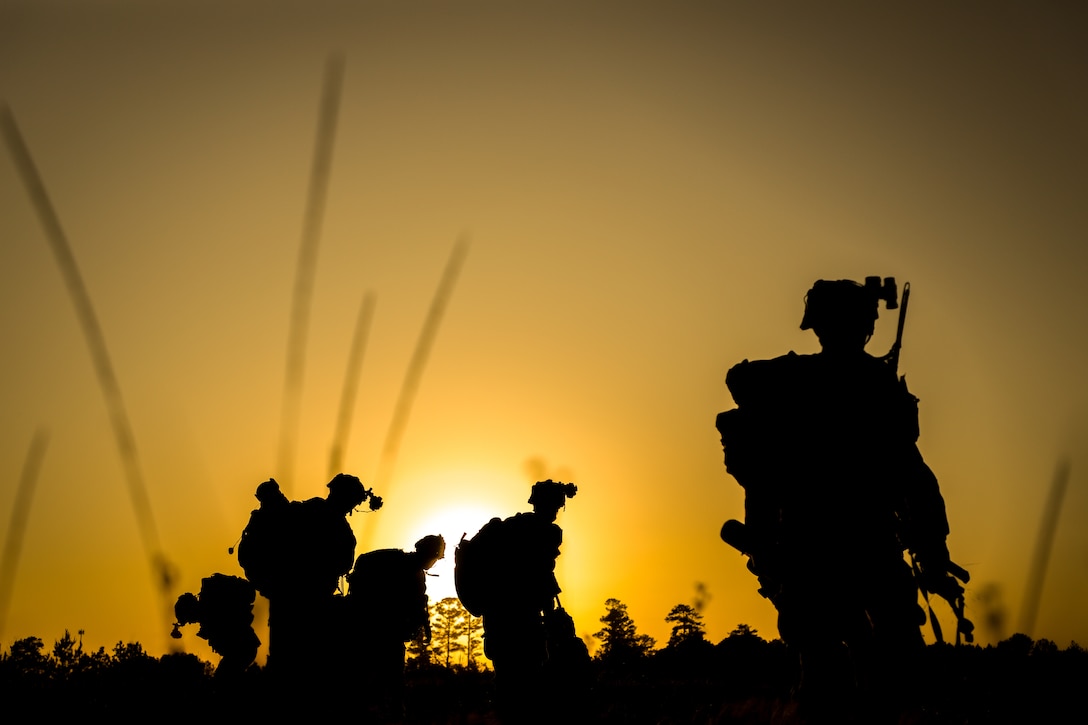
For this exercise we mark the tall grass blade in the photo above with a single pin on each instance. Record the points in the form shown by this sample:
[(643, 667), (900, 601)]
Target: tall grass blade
[(13, 542), (416, 366), (351, 384), (307, 266), (1040, 561), (161, 571)]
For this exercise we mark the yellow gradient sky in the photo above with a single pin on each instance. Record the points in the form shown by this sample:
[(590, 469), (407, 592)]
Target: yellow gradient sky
[(649, 190)]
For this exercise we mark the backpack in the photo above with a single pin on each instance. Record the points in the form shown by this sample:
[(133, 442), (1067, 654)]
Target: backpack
[(226, 603), (263, 550), (227, 592), (477, 567), (384, 586)]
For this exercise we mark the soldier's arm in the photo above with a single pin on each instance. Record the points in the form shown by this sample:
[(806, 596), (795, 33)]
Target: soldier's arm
[(925, 518), (921, 493)]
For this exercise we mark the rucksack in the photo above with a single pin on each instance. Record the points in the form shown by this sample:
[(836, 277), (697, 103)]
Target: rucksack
[(384, 587), (264, 549), (224, 590), (477, 567)]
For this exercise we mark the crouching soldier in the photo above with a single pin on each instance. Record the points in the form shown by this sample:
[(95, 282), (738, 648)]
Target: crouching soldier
[(224, 611)]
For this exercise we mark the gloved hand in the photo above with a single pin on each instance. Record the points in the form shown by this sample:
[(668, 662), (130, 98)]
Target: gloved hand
[(933, 564)]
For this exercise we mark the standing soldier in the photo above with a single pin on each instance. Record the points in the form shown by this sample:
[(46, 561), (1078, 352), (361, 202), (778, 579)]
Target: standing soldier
[(506, 574), (835, 490), (263, 545), (387, 606), (295, 554)]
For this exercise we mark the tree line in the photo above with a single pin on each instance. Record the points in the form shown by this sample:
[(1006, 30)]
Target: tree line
[(741, 678), (457, 635)]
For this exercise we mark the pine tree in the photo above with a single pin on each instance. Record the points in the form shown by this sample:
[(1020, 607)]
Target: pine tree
[(418, 649), (620, 640), (446, 624), (743, 630), (67, 654), (471, 628), (687, 625)]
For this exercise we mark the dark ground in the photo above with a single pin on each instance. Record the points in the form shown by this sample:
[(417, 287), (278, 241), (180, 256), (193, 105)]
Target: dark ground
[(740, 680)]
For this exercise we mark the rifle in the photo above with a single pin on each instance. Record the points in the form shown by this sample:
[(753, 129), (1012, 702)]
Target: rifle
[(735, 534), (948, 585), (948, 588), (892, 358)]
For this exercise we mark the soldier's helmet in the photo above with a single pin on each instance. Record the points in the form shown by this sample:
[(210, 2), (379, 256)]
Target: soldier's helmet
[(838, 306), (348, 489), (269, 492), (431, 547), (552, 493)]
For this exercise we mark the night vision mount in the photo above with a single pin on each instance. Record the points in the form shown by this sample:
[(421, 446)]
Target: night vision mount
[(885, 290), (374, 500)]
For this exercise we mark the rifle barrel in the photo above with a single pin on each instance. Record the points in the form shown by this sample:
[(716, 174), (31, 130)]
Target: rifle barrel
[(893, 355)]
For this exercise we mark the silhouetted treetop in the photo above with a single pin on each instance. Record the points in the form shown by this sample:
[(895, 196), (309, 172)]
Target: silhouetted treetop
[(687, 625), (620, 640)]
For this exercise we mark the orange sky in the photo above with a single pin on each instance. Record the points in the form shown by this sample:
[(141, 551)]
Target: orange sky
[(649, 191)]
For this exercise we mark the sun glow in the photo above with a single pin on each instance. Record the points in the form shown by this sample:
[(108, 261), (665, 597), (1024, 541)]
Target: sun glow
[(452, 524), (452, 503)]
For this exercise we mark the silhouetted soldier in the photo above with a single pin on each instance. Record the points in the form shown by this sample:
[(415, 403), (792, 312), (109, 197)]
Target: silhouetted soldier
[(297, 554), (522, 589), (224, 611), (303, 613), (262, 548), (835, 489), (387, 606)]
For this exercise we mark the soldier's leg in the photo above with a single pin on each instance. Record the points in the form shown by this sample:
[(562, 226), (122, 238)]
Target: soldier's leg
[(514, 642), (816, 621), (897, 637)]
